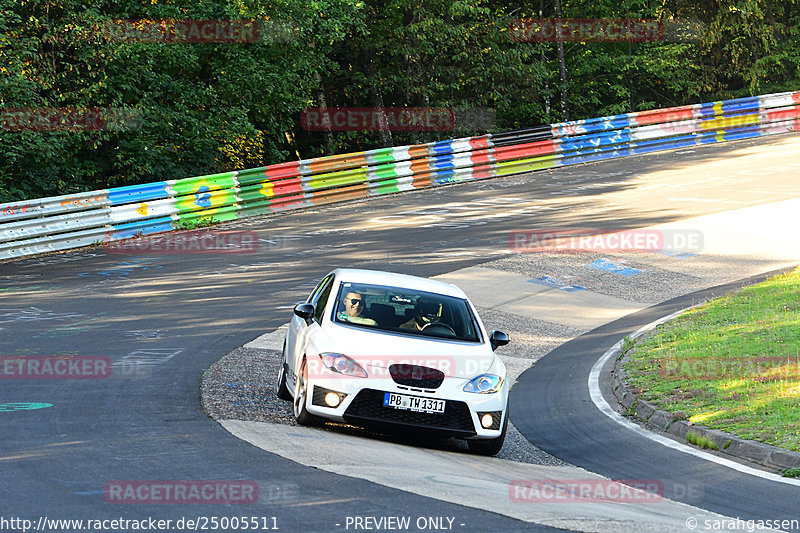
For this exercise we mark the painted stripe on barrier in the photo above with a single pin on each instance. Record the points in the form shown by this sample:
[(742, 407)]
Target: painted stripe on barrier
[(380, 156), (657, 131), (206, 197), (527, 165), (136, 211), (660, 116), (16, 210), (138, 193), (41, 227), (506, 153), (52, 243), (336, 162), (283, 170), (331, 180), (442, 147), (130, 230), (253, 176)]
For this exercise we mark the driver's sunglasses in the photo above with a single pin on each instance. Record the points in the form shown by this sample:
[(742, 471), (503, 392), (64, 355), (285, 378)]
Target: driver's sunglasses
[(355, 301)]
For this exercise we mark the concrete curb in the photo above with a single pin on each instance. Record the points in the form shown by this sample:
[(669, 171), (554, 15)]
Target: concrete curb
[(763, 454)]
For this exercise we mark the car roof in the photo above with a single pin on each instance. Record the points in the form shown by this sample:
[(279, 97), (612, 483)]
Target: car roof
[(377, 277)]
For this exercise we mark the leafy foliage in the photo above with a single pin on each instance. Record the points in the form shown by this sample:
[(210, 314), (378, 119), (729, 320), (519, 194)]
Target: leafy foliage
[(188, 109)]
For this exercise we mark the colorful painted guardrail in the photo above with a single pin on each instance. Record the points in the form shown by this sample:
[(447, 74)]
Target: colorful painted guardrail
[(59, 223)]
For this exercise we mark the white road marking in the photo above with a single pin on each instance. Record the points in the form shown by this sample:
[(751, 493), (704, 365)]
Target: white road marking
[(606, 409)]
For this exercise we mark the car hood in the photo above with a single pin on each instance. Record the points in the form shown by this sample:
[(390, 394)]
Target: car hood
[(377, 350)]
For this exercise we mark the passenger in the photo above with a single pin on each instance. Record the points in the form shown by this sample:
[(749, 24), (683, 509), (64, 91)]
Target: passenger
[(353, 307)]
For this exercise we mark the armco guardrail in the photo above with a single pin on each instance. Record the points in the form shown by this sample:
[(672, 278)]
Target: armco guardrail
[(59, 223)]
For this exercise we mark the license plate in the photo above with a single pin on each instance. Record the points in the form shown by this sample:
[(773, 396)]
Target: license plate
[(413, 403)]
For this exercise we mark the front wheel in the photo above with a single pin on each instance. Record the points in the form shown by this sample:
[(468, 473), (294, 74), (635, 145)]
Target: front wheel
[(303, 417), (489, 446)]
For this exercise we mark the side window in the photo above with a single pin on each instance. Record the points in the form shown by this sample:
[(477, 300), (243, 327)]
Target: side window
[(315, 293), (321, 298)]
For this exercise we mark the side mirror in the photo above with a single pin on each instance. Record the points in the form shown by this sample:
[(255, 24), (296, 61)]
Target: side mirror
[(305, 311), (497, 339)]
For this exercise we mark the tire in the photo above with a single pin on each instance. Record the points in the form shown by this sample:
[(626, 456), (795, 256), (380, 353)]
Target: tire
[(489, 446), (303, 417), (281, 390)]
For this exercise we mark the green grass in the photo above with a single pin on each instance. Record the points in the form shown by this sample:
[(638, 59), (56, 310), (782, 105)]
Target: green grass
[(627, 345), (703, 442), (194, 223), (732, 364)]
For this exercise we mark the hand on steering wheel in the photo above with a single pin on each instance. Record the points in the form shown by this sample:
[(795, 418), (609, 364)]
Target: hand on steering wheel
[(439, 324)]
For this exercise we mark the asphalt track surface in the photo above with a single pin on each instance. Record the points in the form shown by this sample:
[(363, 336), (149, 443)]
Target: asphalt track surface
[(164, 319), (553, 408)]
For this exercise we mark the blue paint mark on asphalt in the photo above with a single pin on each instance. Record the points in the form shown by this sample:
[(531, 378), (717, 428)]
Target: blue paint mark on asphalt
[(124, 268), (23, 406), (556, 284), (677, 254), (89, 492), (245, 400), (571, 288), (608, 266), (250, 405)]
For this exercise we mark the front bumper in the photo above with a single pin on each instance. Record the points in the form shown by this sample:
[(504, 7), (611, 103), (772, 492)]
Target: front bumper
[(362, 405), (367, 409)]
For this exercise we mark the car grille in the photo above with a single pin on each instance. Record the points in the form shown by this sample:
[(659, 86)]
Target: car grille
[(420, 377), (367, 409)]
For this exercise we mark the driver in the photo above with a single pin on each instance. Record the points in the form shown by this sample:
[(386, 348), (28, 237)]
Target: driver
[(425, 312), (353, 304)]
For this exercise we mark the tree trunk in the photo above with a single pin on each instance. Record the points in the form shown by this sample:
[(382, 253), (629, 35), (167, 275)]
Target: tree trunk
[(562, 66), (544, 62), (376, 97), (323, 107)]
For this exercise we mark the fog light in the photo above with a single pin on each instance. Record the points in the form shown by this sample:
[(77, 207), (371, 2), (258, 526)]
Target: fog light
[(332, 399), (487, 421)]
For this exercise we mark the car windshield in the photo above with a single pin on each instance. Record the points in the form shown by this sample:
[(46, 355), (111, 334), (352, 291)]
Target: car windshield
[(405, 311)]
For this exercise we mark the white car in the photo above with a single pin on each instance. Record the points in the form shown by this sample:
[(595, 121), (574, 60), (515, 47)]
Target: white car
[(395, 352)]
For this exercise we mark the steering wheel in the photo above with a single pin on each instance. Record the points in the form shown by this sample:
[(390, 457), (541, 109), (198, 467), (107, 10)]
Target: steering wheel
[(439, 325)]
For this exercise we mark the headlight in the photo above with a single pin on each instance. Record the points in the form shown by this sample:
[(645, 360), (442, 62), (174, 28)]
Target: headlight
[(484, 384), (341, 364)]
